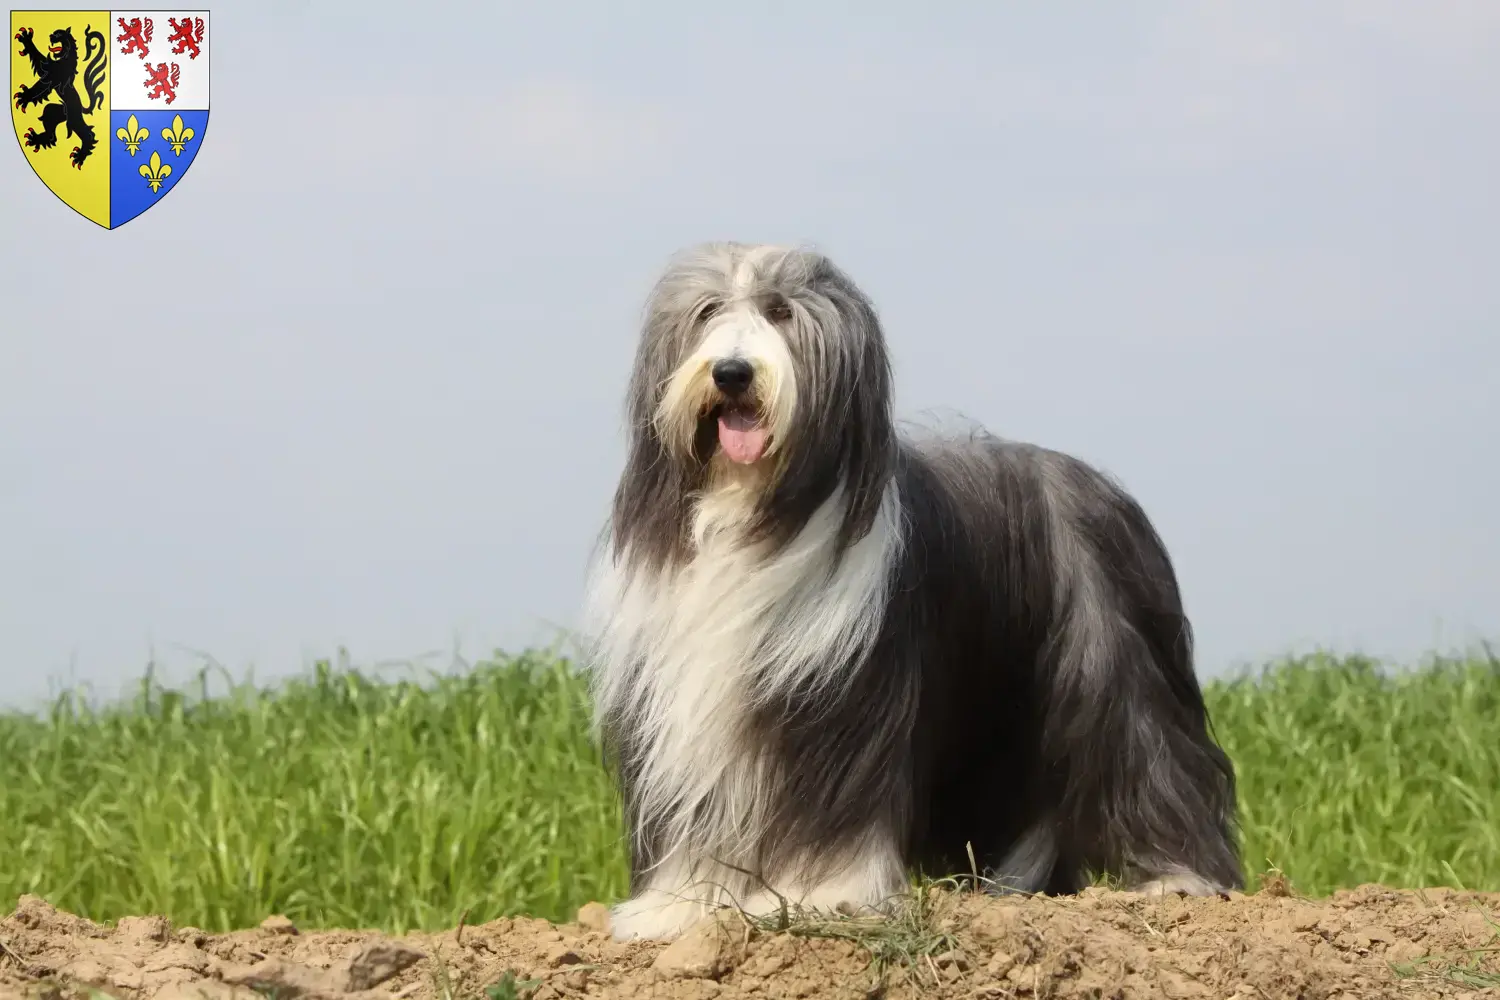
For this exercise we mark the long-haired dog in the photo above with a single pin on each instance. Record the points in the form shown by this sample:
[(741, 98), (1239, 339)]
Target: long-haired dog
[(825, 654)]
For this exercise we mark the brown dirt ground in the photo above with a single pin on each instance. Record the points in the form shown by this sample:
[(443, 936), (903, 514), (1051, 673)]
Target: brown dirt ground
[(1366, 942)]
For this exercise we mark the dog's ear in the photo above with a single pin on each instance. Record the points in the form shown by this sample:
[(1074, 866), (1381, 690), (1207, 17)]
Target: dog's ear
[(652, 368), (845, 430), (683, 299), (652, 506)]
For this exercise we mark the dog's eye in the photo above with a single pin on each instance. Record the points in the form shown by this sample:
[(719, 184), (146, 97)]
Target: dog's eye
[(777, 310), (708, 312)]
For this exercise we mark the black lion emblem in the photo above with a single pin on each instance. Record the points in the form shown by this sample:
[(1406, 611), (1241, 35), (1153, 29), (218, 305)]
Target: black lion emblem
[(55, 75)]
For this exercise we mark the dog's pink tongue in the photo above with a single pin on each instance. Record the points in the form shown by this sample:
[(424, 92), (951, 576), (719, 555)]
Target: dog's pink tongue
[(742, 437)]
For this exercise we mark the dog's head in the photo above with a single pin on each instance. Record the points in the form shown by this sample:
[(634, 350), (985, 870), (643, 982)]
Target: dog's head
[(761, 384)]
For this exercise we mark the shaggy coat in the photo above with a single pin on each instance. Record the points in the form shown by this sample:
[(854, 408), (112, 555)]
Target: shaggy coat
[(827, 654)]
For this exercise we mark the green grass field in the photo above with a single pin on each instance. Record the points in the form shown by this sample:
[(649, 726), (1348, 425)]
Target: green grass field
[(343, 801)]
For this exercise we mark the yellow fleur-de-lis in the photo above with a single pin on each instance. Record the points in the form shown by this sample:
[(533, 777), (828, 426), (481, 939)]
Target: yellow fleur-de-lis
[(177, 135), (156, 171), (132, 135)]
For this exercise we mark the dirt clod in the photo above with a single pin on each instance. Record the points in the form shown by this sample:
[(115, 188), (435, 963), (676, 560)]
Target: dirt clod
[(708, 950), (1369, 943), (278, 925), (378, 961), (594, 917), (283, 979)]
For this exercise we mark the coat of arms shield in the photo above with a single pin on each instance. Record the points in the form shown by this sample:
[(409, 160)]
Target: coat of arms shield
[(110, 106)]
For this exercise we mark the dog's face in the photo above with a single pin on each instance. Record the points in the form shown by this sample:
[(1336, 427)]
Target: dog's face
[(760, 371), (747, 345), (733, 396)]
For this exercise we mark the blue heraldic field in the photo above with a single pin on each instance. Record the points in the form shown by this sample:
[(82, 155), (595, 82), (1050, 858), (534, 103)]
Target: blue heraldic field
[(142, 172)]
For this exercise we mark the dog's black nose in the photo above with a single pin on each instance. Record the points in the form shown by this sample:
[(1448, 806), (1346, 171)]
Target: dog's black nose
[(733, 376)]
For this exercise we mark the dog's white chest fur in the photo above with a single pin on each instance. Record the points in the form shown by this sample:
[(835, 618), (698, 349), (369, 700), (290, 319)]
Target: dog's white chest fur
[(689, 653)]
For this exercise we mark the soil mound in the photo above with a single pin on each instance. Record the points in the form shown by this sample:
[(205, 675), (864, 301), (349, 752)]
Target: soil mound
[(1363, 943)]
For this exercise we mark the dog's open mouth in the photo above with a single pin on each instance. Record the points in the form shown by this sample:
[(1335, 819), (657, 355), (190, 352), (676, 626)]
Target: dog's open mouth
[(742, 435)]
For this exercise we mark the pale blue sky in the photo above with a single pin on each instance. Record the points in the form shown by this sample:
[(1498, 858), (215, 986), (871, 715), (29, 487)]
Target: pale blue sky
[(357, 380)]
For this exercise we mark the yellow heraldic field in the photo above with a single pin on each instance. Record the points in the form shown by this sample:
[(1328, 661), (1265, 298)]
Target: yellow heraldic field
[(73, 49)]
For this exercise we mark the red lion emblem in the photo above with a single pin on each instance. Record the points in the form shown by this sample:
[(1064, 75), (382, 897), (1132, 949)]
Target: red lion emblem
[(160, 84), (187, 34), (136, 37)]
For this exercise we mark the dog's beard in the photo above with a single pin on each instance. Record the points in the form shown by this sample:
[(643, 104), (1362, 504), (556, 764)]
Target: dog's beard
[(737, 436)]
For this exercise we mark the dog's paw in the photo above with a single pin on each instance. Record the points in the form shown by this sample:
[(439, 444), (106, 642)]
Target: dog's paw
[(654, 916), (1178, 883)]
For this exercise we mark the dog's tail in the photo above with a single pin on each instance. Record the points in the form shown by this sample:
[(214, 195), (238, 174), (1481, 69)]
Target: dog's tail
[(1141, 787)]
